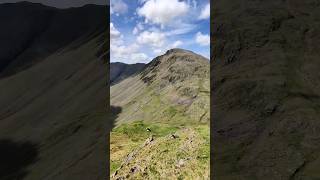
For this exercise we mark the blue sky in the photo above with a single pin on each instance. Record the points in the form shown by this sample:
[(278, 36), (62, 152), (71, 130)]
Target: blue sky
[(140, 30)]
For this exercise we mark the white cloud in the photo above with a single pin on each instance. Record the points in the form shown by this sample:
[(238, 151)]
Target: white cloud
[(123, 53), (181, 29), (194, 3), (176, 44), (118, 7), (162, 11), (203, 39), (135, 31), (155, 39), (205, 13), (142, 1), (114, 33), (157, 51), (157, 24), (138, 58), (137, 28), (162, 50), (128, 54), (140, 26)]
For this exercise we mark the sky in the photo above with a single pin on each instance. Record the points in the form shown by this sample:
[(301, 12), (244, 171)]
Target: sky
[(140, 30), (62, 3)]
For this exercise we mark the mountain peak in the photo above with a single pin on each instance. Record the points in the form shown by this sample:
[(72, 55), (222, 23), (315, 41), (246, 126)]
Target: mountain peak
[(177, 50), (176, 64), (176, 55)]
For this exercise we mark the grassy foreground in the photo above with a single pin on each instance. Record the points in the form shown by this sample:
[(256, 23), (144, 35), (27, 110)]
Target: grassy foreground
[(173, 152)]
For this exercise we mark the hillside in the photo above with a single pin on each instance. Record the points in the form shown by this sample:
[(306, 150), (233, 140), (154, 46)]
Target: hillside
[(32, 32), (53, 92), (265, 89), (120, 71), (170, 96)]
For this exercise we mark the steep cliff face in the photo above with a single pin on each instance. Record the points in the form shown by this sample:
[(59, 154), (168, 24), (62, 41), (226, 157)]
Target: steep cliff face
[(53, 122), (265, 89)]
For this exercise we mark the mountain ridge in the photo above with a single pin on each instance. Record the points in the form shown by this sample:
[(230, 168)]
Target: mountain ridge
[(170, 59), (120, 71), (169, 68), (170, 96), (44, 31), (40, 4)]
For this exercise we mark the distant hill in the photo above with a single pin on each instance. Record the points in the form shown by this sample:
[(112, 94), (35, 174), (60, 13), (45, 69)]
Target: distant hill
[(169, 96), (53, 92), (265, 92), (120, 71)]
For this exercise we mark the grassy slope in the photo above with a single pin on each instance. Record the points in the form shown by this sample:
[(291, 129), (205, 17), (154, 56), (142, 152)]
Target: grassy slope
[(161, 110), (161, 158), (56, 105)]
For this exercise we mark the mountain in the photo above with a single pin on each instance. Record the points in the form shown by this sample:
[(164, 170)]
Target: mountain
[(179, 77), (265, 90), (170, 96), (32, 32), (53, 92), (120, 71)]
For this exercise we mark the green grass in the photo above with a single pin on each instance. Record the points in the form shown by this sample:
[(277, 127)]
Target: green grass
[(136, 131), (159, 111), (161, 158), (171, 111), (204, 150), (114, 165), (134, 134)]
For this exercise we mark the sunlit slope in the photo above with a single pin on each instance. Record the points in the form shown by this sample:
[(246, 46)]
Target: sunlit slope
[(173, 88), (171, 98)]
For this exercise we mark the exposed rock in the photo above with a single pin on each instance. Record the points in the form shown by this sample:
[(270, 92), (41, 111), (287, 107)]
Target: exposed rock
[(180, 163), (173, 136)]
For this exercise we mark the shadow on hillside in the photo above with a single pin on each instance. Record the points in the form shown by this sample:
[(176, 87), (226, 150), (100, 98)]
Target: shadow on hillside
[(15, 157), (113, 115)]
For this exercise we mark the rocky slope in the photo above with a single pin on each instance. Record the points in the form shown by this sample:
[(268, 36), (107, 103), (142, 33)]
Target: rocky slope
[(120, 71), (265, 101), (170, 96), (53, 122)]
